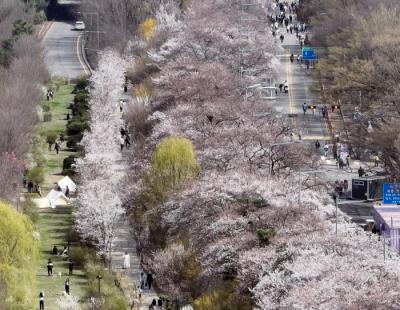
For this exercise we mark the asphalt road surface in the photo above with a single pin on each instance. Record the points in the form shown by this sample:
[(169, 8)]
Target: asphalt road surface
[(61, 51), (310, 125)]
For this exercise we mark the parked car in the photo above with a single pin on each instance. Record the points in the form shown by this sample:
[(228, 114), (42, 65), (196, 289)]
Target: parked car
[(79, 25)]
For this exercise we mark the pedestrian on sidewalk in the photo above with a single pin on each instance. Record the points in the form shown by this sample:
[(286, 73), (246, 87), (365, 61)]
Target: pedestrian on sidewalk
[(122, 142), (149, 280), (345, 187), (326, 150), (142, 280), (324, 111), (67, 285), (50, 268), (305, 107), (282, 37), (348, 161), (361, 172), (334, 151), (317, 145), (377, 159), (127, 261), (41, 300), (291, 58)]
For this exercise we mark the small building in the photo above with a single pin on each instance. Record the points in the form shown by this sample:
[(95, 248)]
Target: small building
[(368, 187), (387, 221)]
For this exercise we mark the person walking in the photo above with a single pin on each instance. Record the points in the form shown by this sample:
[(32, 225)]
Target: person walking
[(70, 267), (348, 161), (149, 280), (127, 261), (291, 58), (317, 145), (38, 190), (282, 37), (127, 141), (57, 147), (50, 268), (41, 300), (324, 111), (360, 172), (30, 187), (326, 150), (122, 142), (377, 159), (345, 187), (67, 285), (142, 280), (305, 107)]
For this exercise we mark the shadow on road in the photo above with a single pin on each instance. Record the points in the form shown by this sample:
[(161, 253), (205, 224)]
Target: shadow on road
[(61, 12)]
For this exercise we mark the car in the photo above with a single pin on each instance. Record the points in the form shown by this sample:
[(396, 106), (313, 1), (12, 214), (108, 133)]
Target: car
[(79, 25)]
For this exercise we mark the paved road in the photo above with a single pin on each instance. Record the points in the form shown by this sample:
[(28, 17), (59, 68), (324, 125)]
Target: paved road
[(61, 51), (311, 126)]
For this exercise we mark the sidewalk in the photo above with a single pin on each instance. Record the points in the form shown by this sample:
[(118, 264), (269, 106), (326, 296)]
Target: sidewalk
[(124, 241), (130, 278)]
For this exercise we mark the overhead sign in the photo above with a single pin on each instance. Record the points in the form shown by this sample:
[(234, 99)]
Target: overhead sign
[(308, 53), (391, 193)]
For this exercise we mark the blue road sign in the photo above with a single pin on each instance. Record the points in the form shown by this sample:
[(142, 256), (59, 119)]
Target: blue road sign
[(308, 53), (391, 193)]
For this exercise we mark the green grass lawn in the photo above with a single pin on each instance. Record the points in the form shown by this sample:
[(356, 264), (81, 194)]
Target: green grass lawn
[(53, 224)]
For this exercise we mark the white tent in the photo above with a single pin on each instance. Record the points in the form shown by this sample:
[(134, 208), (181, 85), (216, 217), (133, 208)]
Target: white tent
[(66, 181), (56, 198)]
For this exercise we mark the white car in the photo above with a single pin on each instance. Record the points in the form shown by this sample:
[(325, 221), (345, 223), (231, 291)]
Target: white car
[(79, 25)]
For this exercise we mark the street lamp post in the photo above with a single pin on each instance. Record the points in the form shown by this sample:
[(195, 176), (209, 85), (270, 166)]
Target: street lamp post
[(99, 277)]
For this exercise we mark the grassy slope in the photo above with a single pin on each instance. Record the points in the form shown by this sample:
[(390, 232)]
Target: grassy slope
[(53, 224)]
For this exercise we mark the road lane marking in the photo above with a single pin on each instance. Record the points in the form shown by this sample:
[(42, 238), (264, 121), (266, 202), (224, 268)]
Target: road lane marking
[(78, 53), (290, 85), (45, 30)]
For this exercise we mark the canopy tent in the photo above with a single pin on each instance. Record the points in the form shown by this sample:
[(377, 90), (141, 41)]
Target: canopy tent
[(66, 181), (54, 198)]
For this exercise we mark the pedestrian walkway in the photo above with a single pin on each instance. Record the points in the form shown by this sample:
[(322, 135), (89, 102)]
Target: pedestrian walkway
[(130, 278), (124, 242)]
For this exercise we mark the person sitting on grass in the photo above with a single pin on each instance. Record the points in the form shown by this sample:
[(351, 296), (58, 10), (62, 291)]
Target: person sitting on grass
[(64, 252), (55, 250)]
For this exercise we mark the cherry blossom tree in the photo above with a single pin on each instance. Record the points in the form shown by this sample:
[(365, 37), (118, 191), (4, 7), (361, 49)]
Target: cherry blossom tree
[(241, 219), (102, 169)]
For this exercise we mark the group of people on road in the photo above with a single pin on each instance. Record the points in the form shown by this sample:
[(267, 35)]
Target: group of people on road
[(341, 187)]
